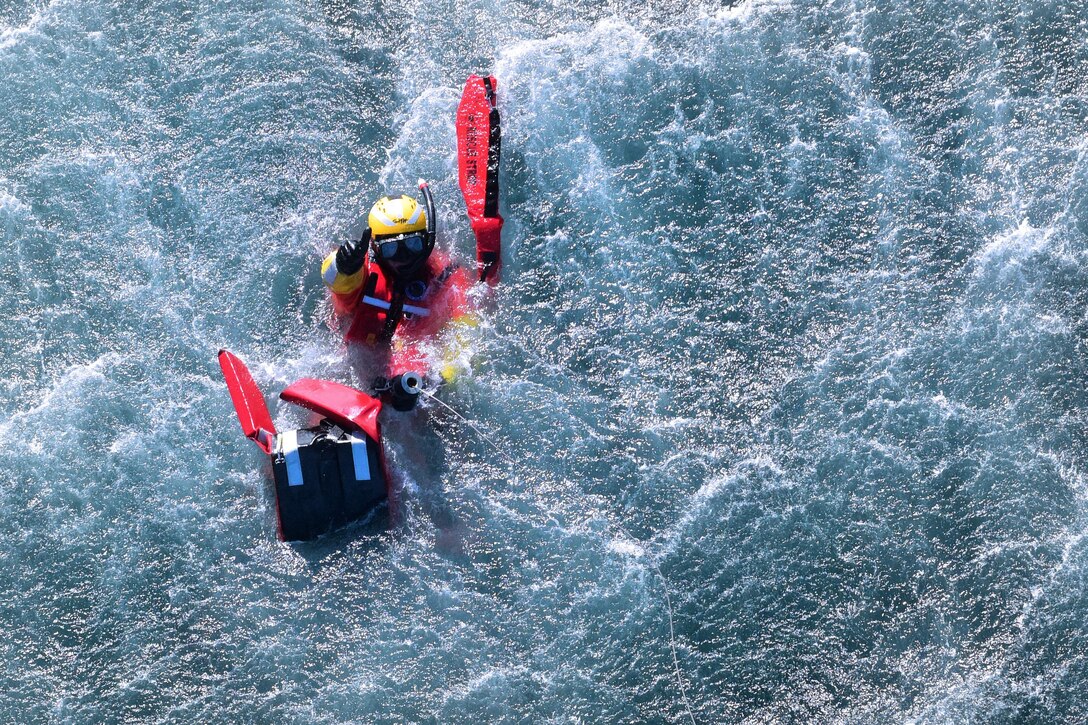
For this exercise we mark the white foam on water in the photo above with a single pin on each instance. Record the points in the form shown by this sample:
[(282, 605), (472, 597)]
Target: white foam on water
[(609, 46), (626, 547), (1014, 246), (55, 403), (13, 36), (720, 484), (12, 205)]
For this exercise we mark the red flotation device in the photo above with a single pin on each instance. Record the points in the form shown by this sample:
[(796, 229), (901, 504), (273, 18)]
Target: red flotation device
[(478, 145), (324, 476), (349, 408), (248, 401)]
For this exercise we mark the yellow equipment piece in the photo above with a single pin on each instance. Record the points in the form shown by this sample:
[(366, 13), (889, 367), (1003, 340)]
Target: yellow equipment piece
[(397, 216), (457, 355)]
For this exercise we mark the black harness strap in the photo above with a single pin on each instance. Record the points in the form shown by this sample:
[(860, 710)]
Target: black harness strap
[(494, 144), (489, 260), (370, 285), (395, 312), (446, 273)]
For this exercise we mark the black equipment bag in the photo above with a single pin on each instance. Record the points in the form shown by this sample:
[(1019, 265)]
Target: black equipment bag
[(325, 478)]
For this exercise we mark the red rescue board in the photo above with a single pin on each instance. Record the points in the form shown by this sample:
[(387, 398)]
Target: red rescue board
[(347, 407), (478, 147), (248, 401)]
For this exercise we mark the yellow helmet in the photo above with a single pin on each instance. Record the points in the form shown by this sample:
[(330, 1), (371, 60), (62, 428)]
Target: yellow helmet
[(397, 216)]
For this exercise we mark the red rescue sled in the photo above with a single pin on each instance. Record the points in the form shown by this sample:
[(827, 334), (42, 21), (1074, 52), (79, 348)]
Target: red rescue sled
[(327, 475)]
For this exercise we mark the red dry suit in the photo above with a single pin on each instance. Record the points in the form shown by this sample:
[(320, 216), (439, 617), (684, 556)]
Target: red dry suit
[(407, 316)]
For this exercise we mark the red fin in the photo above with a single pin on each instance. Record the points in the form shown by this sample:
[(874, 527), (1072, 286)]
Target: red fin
[(347, 407), (248, 401), (478, 146)]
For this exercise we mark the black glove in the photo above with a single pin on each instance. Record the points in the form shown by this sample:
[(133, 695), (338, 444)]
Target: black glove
[(351, 256)]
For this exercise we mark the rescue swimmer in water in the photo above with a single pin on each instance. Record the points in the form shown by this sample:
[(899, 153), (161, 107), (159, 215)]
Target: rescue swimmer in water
[(395, 292), (395, 289)]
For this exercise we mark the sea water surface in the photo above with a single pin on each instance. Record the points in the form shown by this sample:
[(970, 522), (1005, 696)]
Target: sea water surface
[(792, 330)]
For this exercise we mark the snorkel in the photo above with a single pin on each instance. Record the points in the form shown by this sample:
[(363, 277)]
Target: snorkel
[(428, 199)]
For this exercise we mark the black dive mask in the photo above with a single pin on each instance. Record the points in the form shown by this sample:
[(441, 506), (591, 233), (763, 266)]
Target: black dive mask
[(404, 253)]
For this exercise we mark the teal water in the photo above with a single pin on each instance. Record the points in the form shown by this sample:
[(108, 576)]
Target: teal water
[(794, 313)]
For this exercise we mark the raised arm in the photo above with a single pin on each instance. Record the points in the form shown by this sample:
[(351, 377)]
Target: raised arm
[(343, 272)]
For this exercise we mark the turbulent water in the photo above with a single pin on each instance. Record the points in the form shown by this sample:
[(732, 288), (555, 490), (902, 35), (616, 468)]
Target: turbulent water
[(792, 330)]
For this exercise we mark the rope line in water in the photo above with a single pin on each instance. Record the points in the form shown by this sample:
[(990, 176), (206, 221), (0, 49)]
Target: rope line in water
[(672, 644), (467, 422), (653, 563), (672, 629)]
